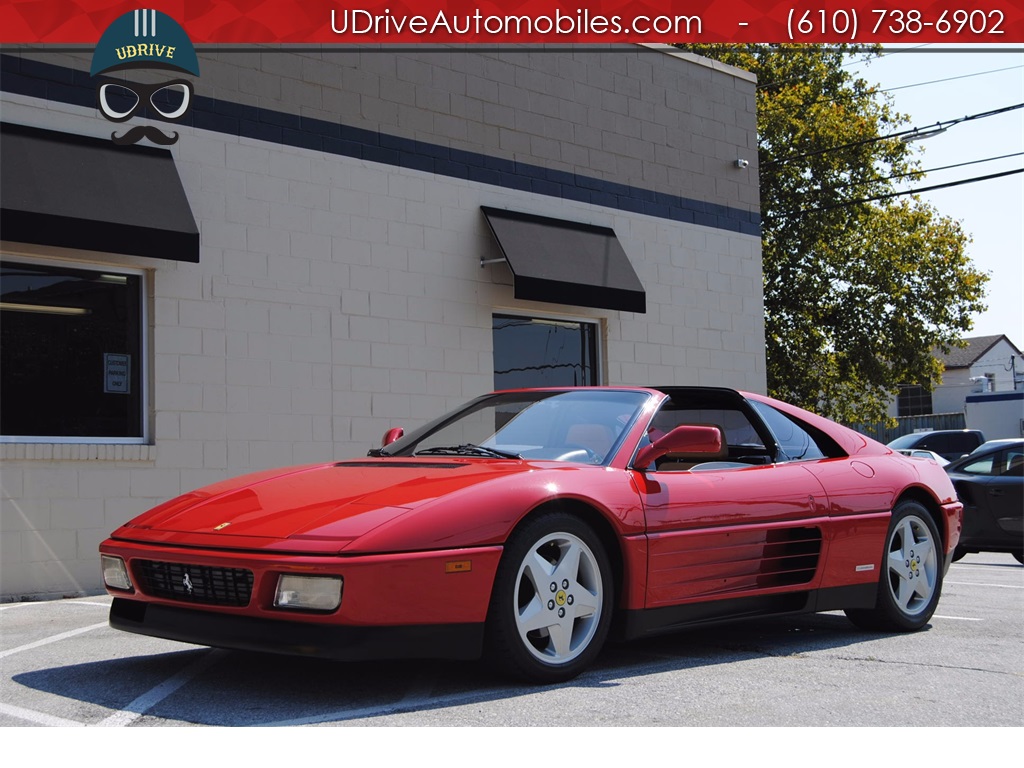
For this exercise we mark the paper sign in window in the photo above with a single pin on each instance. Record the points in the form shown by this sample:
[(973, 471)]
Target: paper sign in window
[(117, 373)]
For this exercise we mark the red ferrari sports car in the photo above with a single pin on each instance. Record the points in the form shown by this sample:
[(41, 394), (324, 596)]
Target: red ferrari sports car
[(530, 526)]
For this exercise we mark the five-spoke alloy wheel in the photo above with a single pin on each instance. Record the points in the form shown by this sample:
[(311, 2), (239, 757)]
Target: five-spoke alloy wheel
[(552, 600), (911, 577)]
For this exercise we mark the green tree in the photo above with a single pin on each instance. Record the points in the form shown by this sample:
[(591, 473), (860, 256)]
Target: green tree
[(859, 287)]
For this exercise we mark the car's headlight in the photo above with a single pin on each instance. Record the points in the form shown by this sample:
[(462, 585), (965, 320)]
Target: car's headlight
[(115, 572), (308, 593)]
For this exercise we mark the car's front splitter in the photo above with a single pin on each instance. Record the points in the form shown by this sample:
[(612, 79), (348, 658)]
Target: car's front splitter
[(331, 641)]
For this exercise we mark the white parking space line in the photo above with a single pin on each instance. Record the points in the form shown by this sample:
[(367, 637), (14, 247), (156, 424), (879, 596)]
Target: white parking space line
[(50, 604), (981, 584), (955, 618), (141, 704), (394, 708), (51, 639), (977, 567), (38, 718), (9, 606)]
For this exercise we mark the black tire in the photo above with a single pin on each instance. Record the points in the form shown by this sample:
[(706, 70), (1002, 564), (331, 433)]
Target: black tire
[(911, 578), (959, 553), (552, 602), (1019, 557)]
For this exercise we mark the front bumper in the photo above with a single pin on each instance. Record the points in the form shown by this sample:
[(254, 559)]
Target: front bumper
[(401, 605), (952, 515), (330, 641)]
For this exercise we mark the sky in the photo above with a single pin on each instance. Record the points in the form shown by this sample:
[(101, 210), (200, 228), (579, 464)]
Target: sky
[(949, 84)]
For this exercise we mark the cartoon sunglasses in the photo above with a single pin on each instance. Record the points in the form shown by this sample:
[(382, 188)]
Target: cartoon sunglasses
[(120, 100)]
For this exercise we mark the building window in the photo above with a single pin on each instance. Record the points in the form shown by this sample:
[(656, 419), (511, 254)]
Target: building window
[(538, 352), (71, 353), (913, 400)]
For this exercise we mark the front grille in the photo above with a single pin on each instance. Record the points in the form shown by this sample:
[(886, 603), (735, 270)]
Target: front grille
[(205, 584)]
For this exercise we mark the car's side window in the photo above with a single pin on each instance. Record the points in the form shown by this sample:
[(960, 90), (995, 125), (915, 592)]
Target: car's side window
[(1015, 463), (938, 443), (797, 441), (736, 427), (1011, 463), (742, 441), (962, 444), (984, 465)]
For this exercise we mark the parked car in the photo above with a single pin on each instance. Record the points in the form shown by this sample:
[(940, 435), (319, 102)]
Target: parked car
[(950, 444), (990, 483), (920, 453), (529, 526)]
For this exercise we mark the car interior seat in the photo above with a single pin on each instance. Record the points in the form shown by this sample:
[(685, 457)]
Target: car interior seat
[(596, 438)]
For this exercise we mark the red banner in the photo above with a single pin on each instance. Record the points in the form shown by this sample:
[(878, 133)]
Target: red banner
[(480, 22)]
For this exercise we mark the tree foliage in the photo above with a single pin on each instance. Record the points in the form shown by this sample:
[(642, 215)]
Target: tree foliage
[(858, 287)]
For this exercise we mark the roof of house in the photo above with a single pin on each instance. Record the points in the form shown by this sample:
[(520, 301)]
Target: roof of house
[(976, 348)]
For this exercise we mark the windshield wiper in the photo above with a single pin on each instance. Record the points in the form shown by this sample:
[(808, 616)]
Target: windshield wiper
[(467, 449)]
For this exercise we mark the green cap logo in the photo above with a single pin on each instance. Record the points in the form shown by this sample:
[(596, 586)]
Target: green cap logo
[(145, 38)]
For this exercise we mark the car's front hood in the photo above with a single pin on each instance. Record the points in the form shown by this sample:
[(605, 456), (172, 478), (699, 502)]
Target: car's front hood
[(316, 508)]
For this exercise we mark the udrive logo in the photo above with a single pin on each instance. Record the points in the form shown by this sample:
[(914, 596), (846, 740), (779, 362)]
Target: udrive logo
[(144, 41)]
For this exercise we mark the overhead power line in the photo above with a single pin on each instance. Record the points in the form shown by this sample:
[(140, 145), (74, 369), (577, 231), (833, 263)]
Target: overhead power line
[(847, 203), (927, 171), (873, 91), (884, 53), (946, 79), (907, 135)]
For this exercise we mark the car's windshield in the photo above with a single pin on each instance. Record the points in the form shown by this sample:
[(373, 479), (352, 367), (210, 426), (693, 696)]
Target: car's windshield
[(583, 426)]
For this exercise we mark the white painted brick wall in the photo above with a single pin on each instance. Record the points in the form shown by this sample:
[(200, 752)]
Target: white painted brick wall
[(336, 298)]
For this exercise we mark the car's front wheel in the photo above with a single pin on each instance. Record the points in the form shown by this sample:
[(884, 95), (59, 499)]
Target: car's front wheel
[(552, 601), (911, 578)]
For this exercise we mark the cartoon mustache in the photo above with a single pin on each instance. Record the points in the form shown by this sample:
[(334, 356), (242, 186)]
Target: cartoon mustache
[(139, 132)]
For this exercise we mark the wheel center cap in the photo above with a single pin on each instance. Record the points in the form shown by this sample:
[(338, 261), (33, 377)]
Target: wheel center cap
[(560, 597)]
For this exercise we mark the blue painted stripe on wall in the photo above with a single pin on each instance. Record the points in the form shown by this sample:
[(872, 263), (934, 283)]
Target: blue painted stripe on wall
[(991, 397), (70, 86)]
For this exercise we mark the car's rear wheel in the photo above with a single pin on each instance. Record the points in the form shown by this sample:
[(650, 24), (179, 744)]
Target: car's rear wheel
[(911, 579), (552, 601)]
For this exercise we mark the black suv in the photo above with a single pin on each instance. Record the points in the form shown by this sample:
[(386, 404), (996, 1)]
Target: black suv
[(950, 444)]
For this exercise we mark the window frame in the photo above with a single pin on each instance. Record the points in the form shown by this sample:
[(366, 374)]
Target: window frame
[(144, 326), (914, 400), (598, 329)]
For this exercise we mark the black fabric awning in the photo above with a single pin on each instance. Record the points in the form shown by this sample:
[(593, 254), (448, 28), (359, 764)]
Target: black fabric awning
[(71, 191), (563, 262)]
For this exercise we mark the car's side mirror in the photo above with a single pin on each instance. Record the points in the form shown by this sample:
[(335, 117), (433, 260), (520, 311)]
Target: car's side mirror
[(393, 434), (695, 441)]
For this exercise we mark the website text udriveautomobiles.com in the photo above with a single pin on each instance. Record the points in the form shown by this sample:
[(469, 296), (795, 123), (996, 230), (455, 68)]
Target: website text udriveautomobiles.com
[(557, 24)]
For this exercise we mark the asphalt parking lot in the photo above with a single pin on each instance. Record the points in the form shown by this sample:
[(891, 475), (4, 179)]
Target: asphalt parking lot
[(63, 666)]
